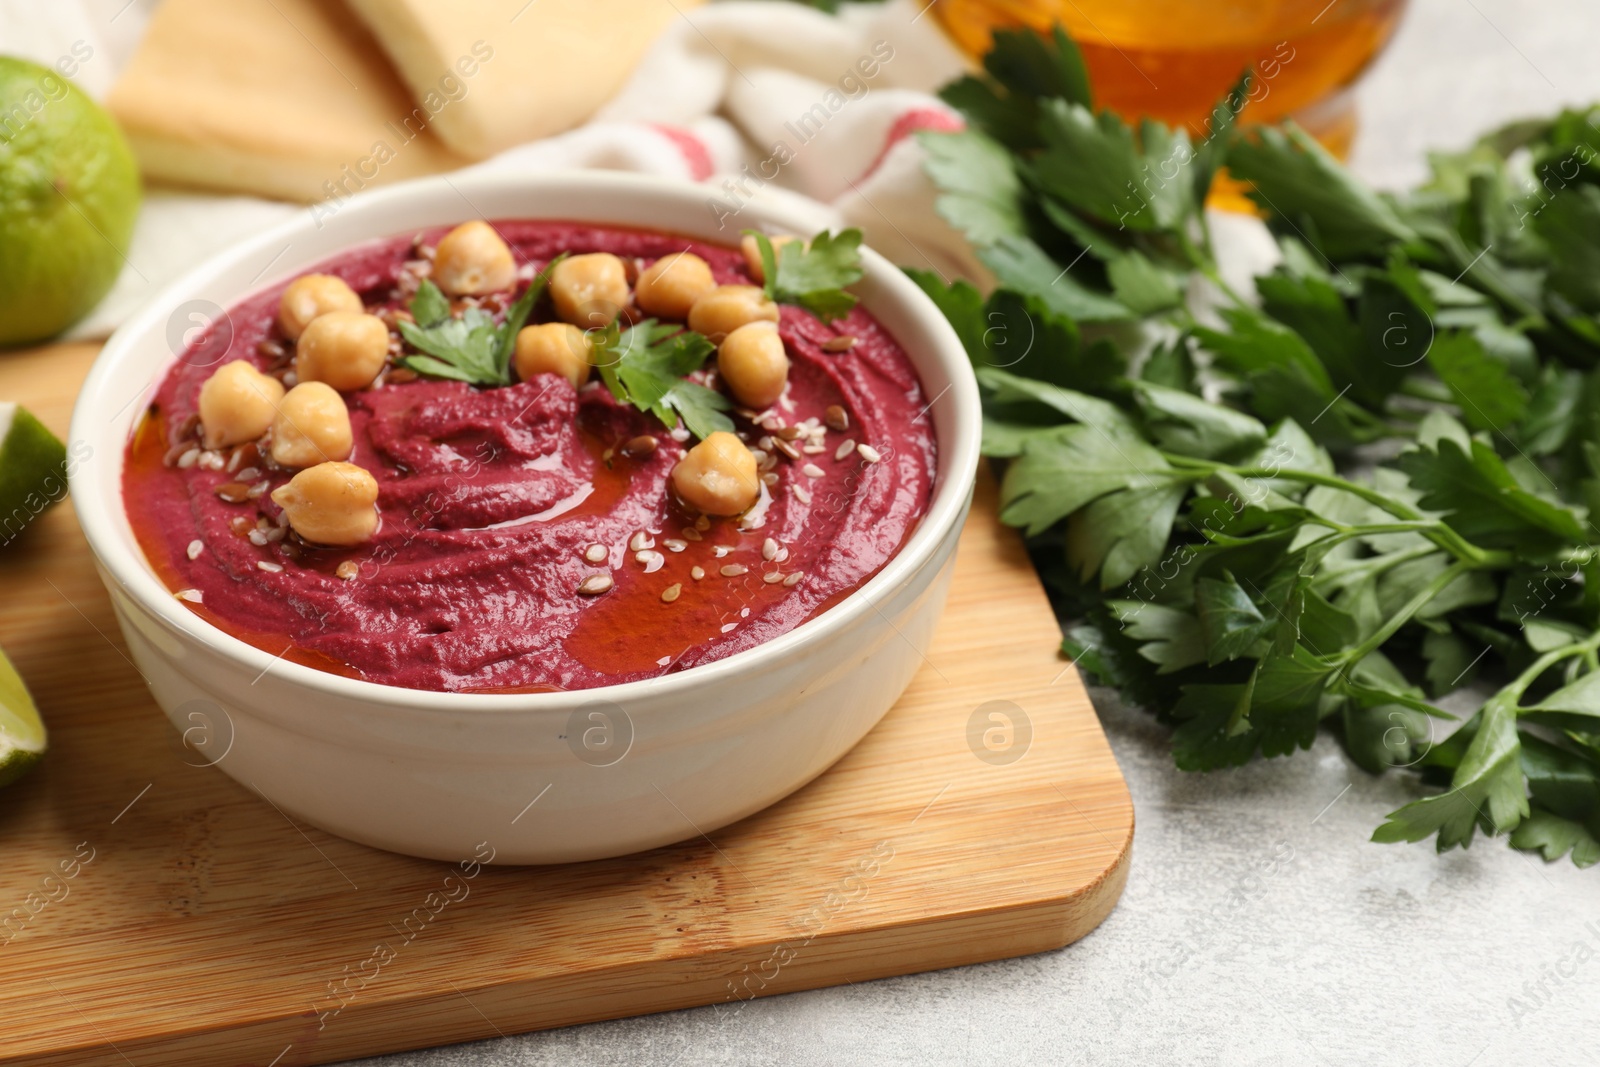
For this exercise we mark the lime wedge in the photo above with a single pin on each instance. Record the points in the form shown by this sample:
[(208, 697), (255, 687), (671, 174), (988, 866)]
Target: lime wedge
[(22, 737), (33, 470)]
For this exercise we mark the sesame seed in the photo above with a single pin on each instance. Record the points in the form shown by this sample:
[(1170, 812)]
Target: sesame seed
[(703, 523), (640, 541), (258, 537), (596, 553), (233, 460), (769, 479), (733, 570), (772, 577), (801, 493), (347, 570), (188, 459), (255, 492), (595, 584), (868, 453), (811, 470), (769, 550), (793, 579), (653, 561), (672, 544), (195, 548), (193, 596), (845, 449), (691, 534), (269, 567), (721, 550), (697, 573), (249, 474), (816, 448), (842, 343), (670, 593)]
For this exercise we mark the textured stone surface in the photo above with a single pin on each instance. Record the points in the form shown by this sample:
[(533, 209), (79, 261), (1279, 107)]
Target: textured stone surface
[(1259, 925)]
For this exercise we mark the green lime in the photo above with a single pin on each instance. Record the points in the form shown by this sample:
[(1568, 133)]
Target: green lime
[(33, 470), (22, 737), (69, 193)]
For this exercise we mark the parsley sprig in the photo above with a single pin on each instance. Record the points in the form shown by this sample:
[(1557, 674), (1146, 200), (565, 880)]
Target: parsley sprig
[(647, 366), (471, 347), (813, 274), (1324, 504)]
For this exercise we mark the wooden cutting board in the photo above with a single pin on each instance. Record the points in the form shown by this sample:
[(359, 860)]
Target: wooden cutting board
[(155, 913)]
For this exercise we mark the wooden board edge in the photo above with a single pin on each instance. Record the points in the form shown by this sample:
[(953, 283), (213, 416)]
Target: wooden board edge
[(979, 935)]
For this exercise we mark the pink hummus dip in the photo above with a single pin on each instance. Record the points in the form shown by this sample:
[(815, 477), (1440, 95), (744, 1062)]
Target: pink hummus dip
[(492, 500)]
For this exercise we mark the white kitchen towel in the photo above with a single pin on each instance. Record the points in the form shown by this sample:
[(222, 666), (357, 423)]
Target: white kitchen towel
[(752, 98)]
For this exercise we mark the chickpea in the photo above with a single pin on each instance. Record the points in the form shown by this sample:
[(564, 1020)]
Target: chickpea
[(344, 349), (752, 253), (237, 404), (553, 348), (728, 307), (752, 361), (669, 287), (472, 260), (589, 290), (313, 426), (311, 296), (331, 504), (718, 476)]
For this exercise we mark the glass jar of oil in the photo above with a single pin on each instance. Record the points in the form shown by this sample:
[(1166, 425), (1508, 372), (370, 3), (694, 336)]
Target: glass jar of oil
[(1173, 59)]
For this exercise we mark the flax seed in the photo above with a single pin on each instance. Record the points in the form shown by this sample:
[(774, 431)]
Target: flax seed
[(837, 418)]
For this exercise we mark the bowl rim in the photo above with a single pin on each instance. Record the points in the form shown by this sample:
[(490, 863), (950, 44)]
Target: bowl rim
[(127, 565)]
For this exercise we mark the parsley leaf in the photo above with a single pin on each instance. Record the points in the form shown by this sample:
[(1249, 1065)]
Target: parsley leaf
[(813, 274), (647, 365), (472, 348)]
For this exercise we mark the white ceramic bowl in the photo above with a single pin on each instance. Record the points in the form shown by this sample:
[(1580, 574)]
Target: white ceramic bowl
[(546, 777)]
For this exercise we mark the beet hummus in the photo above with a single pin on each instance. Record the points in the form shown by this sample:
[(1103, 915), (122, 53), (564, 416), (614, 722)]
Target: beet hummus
[(528, 536)]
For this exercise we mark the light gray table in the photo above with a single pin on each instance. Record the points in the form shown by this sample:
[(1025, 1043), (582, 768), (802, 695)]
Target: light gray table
[(1259, 926)]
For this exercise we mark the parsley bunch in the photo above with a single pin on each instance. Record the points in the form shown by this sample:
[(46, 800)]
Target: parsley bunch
[(1323, 504)]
